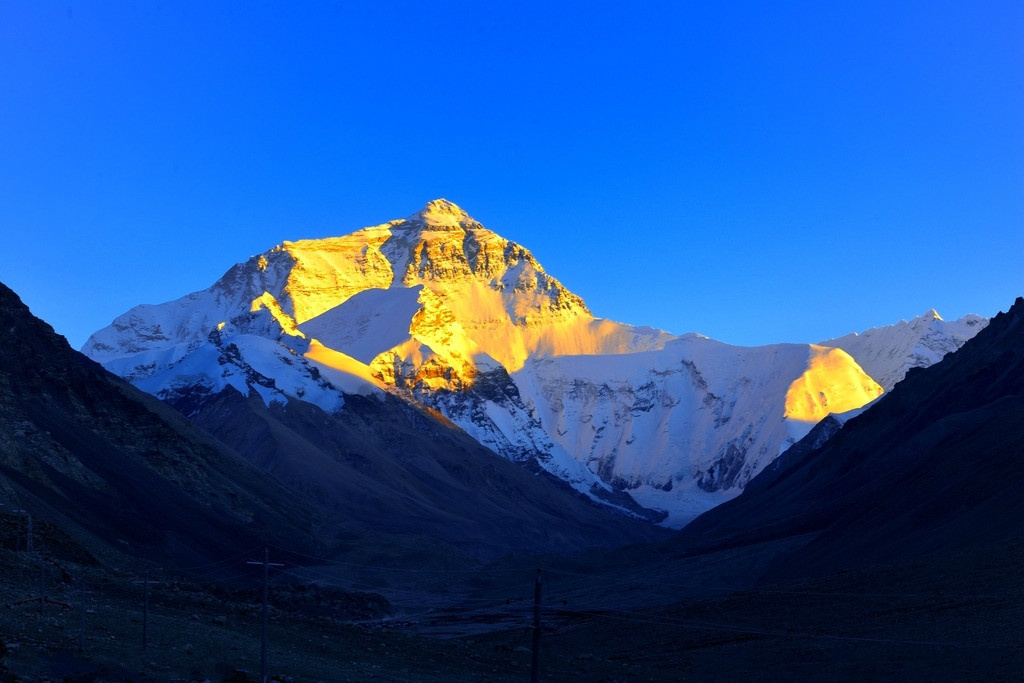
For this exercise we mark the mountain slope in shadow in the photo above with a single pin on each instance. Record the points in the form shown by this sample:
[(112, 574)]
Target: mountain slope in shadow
[(115, 468)]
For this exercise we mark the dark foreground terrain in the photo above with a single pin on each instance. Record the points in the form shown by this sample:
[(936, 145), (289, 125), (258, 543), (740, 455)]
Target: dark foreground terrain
[(601, 622), (893, 552)]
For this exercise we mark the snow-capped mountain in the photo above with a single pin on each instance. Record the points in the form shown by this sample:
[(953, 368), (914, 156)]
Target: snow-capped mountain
[(441, 311), (886, 353), (932, 467), (117, 471)]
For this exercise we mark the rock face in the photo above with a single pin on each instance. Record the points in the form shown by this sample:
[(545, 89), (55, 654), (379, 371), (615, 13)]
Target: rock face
[(439, 311)]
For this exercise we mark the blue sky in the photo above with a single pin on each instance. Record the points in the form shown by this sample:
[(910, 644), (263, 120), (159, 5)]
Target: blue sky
[(756, 172)]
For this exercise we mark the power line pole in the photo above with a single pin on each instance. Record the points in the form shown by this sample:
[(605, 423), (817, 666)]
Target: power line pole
[(263, 633), (17, 537), (145, 607), (81, 604), (145, 610), (20, 512), (535, 661), (42, 575), (42, 598)]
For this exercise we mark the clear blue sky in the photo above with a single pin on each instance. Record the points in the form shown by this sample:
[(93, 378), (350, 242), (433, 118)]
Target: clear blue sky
[(756, 172)]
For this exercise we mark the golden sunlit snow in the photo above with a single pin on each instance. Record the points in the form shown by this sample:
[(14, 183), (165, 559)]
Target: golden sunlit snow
[(832, 383), (268, 302), (481, 294), (339, 361), (484, 300)]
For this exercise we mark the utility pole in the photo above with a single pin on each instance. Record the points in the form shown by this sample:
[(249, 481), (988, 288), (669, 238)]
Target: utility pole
[(81, 604), (263, 634), (145, 607), (17, 537), (42, 575), (81, 614), (145, 610), (535, 662), (42, 598), (20, 512)]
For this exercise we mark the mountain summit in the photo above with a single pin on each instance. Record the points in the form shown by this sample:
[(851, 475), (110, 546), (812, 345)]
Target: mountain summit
[(443, 313), (441, 213)]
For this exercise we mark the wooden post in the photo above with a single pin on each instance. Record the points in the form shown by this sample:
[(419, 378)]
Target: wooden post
[(81, 632), (263, 633), (146, 582), (535, 662), (145, 610), (42, 579)]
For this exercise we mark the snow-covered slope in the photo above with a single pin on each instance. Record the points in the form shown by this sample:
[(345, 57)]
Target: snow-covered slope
[(685, 427), (887, 353), (439, 310)]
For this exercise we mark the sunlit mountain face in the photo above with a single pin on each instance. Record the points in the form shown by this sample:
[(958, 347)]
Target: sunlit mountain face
[(444, 313), (832, 383)]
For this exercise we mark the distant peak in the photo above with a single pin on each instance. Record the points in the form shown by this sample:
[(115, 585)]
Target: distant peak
[(442, 213), (931, 314)]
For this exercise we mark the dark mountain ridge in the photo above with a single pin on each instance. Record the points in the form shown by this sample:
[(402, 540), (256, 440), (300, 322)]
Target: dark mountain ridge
[(378, 481), (393, 472), (115, 468)]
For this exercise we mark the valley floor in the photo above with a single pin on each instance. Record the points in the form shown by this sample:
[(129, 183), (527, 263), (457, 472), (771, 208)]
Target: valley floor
[(955, 617)]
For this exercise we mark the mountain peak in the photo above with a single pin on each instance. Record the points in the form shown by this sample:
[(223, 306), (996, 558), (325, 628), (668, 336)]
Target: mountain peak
[(931, 314), (441, 213)]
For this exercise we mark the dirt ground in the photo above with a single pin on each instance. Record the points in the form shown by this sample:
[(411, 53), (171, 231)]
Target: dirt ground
[(885, 624)]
